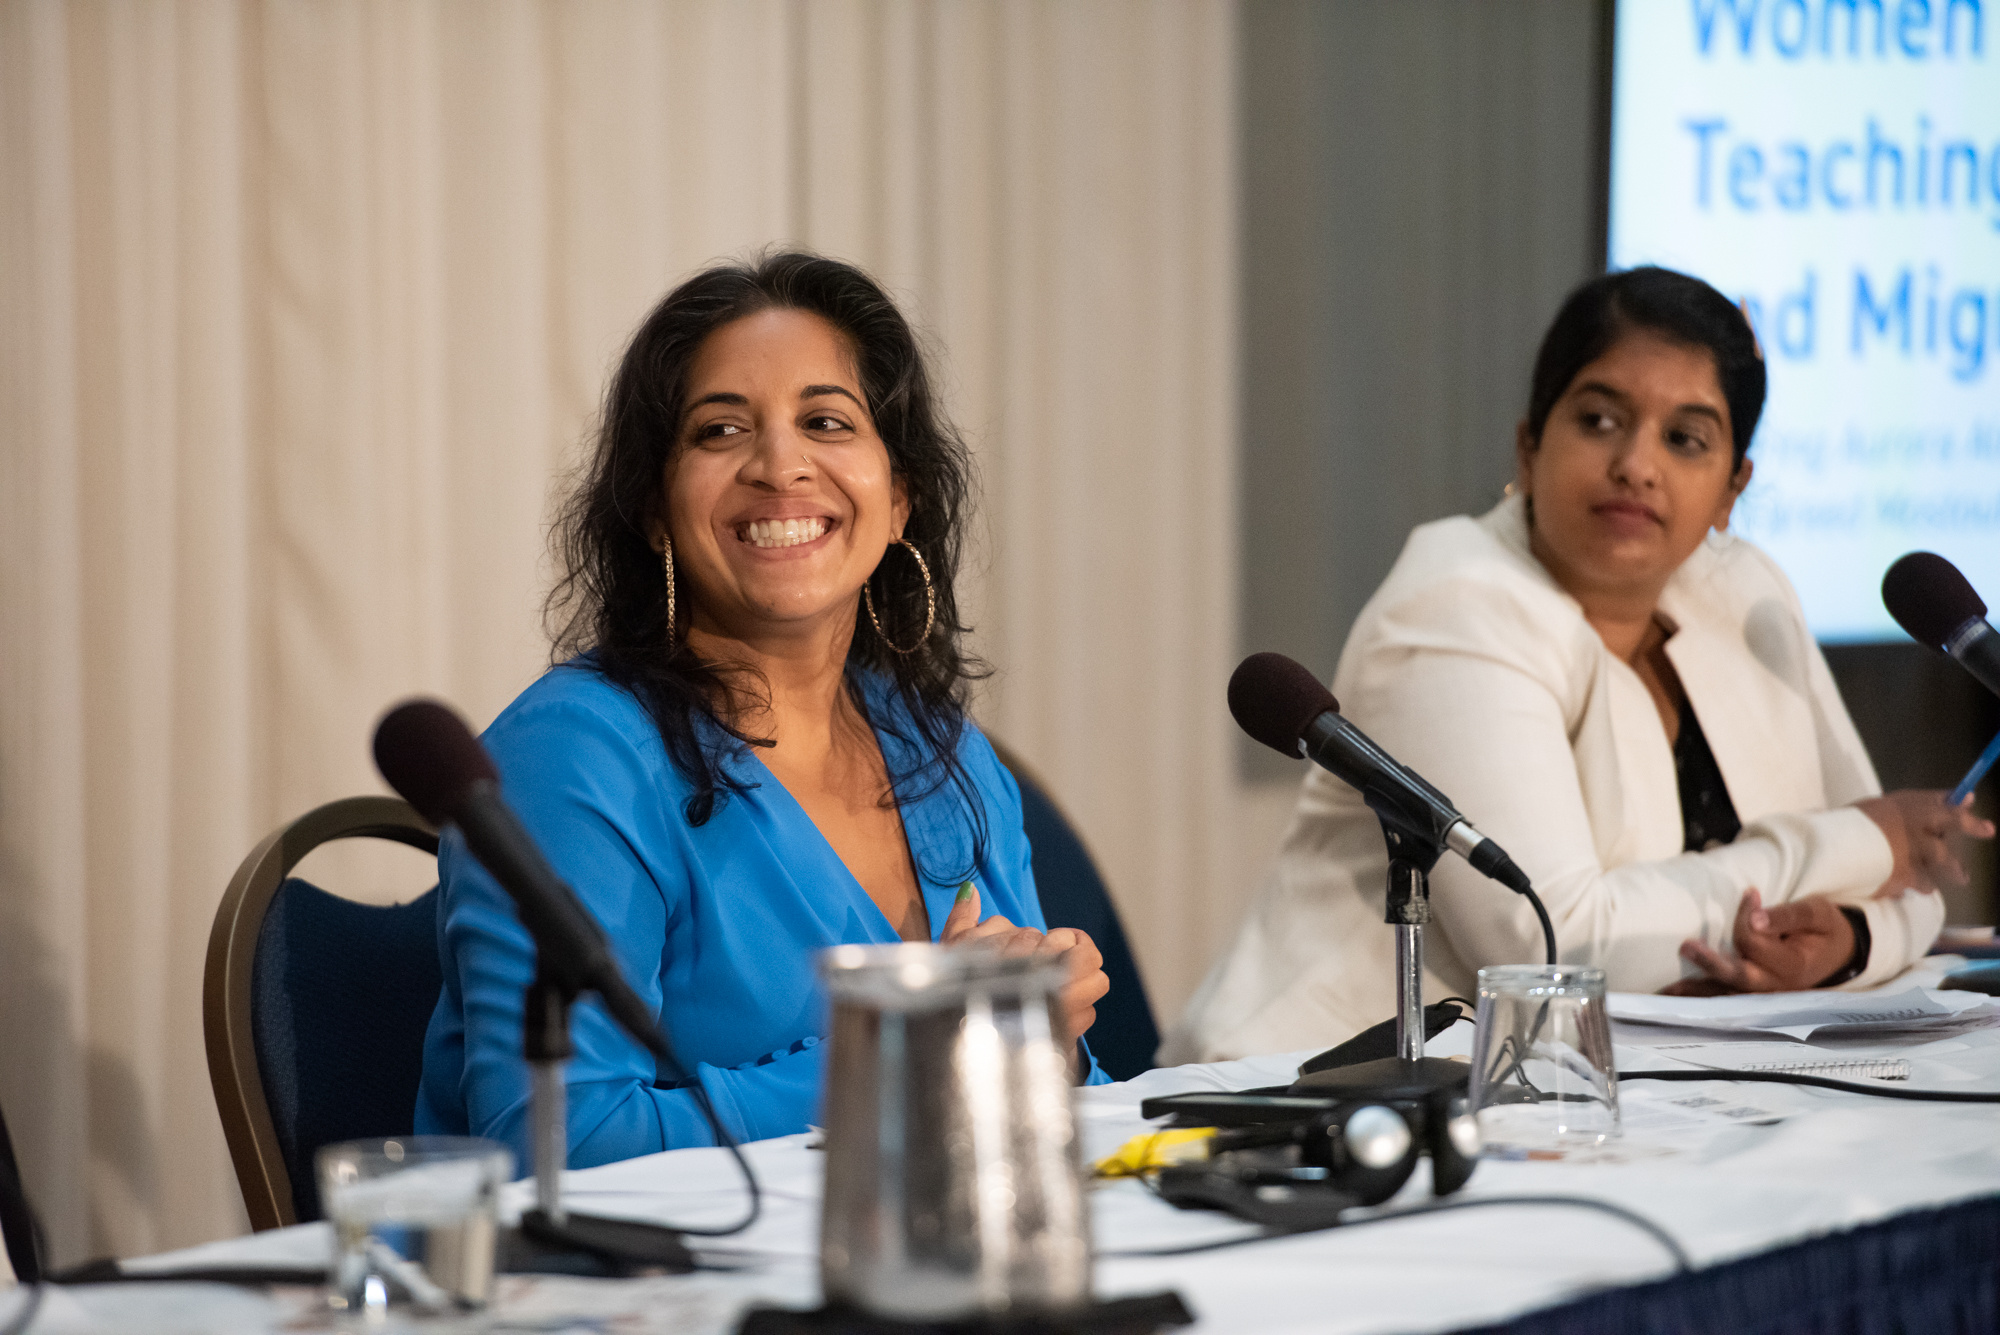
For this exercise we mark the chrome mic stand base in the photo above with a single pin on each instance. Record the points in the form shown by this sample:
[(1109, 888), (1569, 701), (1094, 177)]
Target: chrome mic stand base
[(592, 1246), (1409, 1074), (550, 1240)]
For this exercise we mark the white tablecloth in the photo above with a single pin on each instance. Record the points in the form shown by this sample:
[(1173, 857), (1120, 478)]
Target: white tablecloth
[(1722, 1188)]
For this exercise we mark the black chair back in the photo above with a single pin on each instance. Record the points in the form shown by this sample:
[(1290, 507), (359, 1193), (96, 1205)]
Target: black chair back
[(1073, 895), (343, 994), (314, 1008), (17, 1222)]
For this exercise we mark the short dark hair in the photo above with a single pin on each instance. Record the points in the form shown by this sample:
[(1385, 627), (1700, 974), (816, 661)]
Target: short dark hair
[(611, 599), (1673, 305)]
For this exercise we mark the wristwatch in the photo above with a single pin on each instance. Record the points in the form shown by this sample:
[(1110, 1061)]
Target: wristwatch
[(1857, 963)]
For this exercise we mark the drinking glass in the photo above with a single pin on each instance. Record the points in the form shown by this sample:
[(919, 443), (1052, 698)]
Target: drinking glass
[(1542, 1071), (415, 1219)]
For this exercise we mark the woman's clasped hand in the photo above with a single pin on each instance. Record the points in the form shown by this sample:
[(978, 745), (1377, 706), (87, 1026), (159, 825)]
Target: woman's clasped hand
[(1079, 955), (1785, 948)]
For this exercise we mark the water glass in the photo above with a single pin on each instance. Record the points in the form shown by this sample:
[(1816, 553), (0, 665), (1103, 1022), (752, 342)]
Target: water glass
[(1542, 1070), (415, 1219)]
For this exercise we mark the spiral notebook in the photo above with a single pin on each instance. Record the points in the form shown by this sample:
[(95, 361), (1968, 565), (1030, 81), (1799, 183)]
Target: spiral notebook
[(1785, 1059)]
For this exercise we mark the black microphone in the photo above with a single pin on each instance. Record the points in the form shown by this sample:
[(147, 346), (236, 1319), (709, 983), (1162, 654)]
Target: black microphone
[(430, 757), (1935, 605), (1282, 705)]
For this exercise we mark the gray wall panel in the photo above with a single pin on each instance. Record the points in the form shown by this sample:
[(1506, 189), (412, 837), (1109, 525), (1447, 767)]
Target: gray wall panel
[(1419, 191)]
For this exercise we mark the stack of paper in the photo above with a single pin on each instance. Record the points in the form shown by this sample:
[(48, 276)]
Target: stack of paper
[(1913, 1015)]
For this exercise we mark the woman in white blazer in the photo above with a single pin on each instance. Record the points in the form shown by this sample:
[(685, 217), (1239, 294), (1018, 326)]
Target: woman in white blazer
[(1623, 696)]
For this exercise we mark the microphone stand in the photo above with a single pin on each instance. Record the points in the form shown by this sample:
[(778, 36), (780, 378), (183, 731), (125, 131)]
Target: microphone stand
[(551, 1240), (546, 1044), (1408, 1074)]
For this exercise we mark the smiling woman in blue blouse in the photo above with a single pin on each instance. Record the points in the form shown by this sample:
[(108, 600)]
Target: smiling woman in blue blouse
[(755, 743)]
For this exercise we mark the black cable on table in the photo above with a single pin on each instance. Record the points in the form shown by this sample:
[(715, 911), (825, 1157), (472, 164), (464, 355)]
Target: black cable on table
[(1821, 1082), (1682, 1263), (663, 1048)]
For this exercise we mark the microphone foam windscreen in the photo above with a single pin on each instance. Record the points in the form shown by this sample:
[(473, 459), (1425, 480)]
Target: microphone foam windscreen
[(1929, 598), (1273, 698), (430, 757)]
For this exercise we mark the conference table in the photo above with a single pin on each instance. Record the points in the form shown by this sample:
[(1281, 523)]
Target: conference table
[(1798, 1209)]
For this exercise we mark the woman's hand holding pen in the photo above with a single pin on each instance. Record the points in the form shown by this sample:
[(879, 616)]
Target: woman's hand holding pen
[(1922, 833), (1087, 983), (1795, 946)]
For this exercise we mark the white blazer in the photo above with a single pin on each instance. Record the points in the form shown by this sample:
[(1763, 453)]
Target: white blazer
[(1473, 667)]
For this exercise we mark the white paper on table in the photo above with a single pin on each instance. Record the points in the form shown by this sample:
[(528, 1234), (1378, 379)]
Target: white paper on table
[(1913, 1013), (1657, 1111), (1656, 1122)]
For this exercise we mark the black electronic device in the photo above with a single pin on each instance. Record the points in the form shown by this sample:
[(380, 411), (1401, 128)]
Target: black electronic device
[(1248, 1107), (1979, 976), (1371, 1148), (1360, 1148), (1294, 1198)]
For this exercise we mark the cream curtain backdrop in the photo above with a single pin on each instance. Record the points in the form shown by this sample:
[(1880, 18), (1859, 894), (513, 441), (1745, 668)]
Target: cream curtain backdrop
[(305, 306)]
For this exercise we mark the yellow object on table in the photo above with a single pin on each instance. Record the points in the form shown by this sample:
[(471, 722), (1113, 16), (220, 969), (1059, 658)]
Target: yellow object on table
[(1157, 1149)]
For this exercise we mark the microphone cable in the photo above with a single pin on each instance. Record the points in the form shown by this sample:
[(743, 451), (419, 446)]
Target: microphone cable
[(1820, 1082), (657, 1042), (1668, 1243), (750, 1183), (1683, 1263), (1548, 928)]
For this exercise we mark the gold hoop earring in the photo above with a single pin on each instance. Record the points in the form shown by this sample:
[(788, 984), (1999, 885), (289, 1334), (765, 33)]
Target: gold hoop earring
[(930, 606), (667, 563)]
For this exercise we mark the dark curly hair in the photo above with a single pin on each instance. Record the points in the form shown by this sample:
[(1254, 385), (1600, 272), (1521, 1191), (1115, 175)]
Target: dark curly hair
[(1677, 307), (611, 602)]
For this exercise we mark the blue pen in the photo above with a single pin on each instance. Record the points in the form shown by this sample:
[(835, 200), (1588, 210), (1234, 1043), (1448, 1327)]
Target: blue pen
[(1976, 773)]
